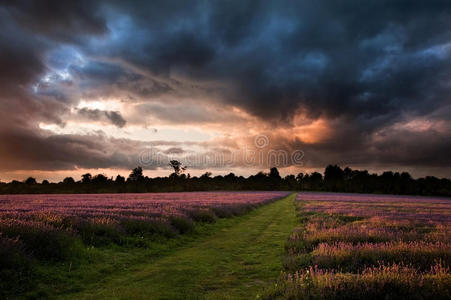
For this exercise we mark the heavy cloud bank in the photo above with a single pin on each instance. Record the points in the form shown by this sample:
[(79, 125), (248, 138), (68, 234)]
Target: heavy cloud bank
[(376, 73)]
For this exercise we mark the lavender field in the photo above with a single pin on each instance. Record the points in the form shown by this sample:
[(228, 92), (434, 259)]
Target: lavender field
[(357, 246), (345, 246), (113, 207), (103, 218), (52, 230)]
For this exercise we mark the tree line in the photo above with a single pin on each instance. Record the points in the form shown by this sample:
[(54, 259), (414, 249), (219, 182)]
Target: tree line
[(334, 179)]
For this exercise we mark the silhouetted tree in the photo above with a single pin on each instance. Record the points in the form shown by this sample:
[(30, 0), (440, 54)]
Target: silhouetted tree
[(275, 181), (86, 178), (120, 179), (274, 173), (230, 177), (206, 175), (334, 178), (136, 175), (99, 179), (315, 181), (290, 182), (68, 180), (300, 180), (177, 166), (30, 181), (299, 177)]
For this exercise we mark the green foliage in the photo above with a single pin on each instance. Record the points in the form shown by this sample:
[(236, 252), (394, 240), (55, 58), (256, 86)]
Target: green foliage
[(147, 228), (204, 216), (43, 242), (99, 234), (182, 224), (15, 267)]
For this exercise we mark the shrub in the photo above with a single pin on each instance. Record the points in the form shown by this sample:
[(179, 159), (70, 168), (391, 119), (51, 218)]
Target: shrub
[(182, 224), (42, 241), (15, 266), (98, 233), (204, 216), (145, 227), (223, 211)]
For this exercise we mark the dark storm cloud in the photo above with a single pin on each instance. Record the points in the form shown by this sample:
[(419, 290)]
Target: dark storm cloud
[(30, 30), (63, 20), (113, 117), (330, 58), (26, 150), (363, 66), (91, 151), (391, 148), (20, 56), (100, 79)]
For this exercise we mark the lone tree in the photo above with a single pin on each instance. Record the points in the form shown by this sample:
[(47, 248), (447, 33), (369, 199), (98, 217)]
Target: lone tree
[(178, 167), (136, 175)]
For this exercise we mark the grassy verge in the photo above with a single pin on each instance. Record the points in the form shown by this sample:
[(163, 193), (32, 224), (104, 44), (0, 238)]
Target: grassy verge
[(229, 258)]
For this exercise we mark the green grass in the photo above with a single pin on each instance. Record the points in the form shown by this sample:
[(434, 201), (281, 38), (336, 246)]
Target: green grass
[(231, 259)]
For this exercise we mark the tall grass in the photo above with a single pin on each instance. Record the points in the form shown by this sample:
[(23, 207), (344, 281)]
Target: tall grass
[(377, 282)]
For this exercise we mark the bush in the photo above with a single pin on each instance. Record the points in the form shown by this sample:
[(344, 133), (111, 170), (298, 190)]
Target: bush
[(182, 224), (15, 266), (297, 262), (42, 241), (203, 216), (223, 211), (99, 234), (147, 227)]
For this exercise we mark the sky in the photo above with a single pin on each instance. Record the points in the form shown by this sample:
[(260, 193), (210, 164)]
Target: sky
[(224, 86)]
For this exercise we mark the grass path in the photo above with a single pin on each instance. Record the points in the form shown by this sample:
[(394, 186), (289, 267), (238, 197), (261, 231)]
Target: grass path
[(234, 263)]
